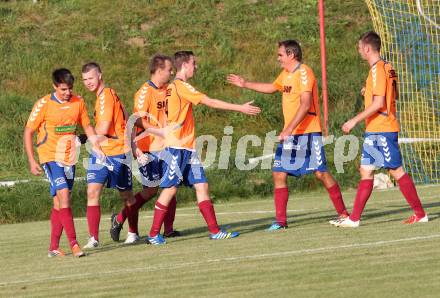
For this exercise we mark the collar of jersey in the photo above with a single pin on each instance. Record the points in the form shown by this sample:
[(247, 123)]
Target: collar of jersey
[(101, 91), (296, 68), (377, 61), (55, 99), (152, 84)]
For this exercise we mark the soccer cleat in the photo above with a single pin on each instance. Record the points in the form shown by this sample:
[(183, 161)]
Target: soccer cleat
[(77, 252), (131, 238), (92, 243), (156, 240), (275, 226), (415, 219), (338, 219), (55, 253), (347, 223), (223, 235), (172, 234), (115, 227)]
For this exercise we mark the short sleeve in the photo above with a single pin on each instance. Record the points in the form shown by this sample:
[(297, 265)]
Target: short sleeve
[(36, 118), (83, 116), (104, 107), (307, 79), (188, 92), (379, 80), (278, 83)]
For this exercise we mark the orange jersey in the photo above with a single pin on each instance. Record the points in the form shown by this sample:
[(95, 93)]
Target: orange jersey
[(180, 97), (382, 81), (109, 107), (56, 123), (292, 84), (150, 102)]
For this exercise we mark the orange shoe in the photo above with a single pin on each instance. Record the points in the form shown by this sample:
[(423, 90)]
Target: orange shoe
[(77, 252), (415, 219), (56, 253)]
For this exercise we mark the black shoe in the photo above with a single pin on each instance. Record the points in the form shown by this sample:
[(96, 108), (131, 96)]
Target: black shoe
[(172, 234), (116, 227)]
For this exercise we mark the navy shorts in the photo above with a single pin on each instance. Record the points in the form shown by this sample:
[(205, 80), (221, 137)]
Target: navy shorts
[(114, 171), (300, 155), (60, 176), (151, 170), (381, 149), (181, 166)]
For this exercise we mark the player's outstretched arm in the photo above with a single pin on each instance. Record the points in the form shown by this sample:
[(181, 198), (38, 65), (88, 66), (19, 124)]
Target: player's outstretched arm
[(239, 81), (246, 108), (376, 105), (34, 167)]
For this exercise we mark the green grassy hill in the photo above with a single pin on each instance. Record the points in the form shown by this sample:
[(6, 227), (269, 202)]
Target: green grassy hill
[(227, 36)]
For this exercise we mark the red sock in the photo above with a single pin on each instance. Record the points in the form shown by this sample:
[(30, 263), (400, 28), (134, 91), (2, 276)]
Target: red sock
[(133, 219), (56, 229), (335, 195), (409, 191), (122, 216), (364, 190), (169, 218), (207, 210), (66, 219), (93, 219), (281, 196), (159, 214)]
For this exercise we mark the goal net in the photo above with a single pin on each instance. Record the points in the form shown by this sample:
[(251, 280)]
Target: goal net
[(410, 31)]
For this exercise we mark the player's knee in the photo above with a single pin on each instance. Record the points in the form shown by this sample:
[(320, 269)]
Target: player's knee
[(366, 173), (319, 175), (397, 173), (279, 179)]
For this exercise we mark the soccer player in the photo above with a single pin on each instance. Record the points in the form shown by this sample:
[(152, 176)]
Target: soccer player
[(380, 148), (150, 105), (115, 172), (300, 151), (55, 118), (181, 162)]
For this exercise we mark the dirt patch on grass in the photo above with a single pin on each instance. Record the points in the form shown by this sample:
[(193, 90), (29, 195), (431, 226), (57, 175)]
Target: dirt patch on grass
[(137, 42)]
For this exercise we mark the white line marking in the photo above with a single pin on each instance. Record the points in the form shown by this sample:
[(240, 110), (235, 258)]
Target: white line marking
[(228, 259)]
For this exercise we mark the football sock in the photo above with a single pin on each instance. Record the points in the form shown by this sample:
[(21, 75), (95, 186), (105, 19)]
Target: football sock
[(68, 225), (122, 216), (335, 195), (140, 201), (364, 190), (93, 219), (409, 191), (56, 229), (159, 215), (281, 196), (169, 217), (207, 210)]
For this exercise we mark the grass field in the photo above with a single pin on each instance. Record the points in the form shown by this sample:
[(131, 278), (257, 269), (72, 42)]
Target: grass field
[(382, 258)]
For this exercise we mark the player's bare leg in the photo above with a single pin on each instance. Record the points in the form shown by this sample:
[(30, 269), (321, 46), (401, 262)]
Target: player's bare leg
[(335, 194), (281, 196), (409, 191)]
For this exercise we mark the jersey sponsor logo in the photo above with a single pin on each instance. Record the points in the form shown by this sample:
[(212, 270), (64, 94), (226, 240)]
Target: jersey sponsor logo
[(287, 89), (66, 129), (168, 92), (161, 105), (290, 146)]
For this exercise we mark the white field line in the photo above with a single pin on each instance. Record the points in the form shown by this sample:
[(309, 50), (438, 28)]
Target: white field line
[(221, 260)]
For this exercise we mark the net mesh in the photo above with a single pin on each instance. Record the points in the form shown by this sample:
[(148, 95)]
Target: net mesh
[(410, 30)]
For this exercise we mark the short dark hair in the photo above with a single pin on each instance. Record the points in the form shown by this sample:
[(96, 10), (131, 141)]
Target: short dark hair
[(371, 38), (89, 66), (158, 62), (62, 76), (180, 57), (292, 47)]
